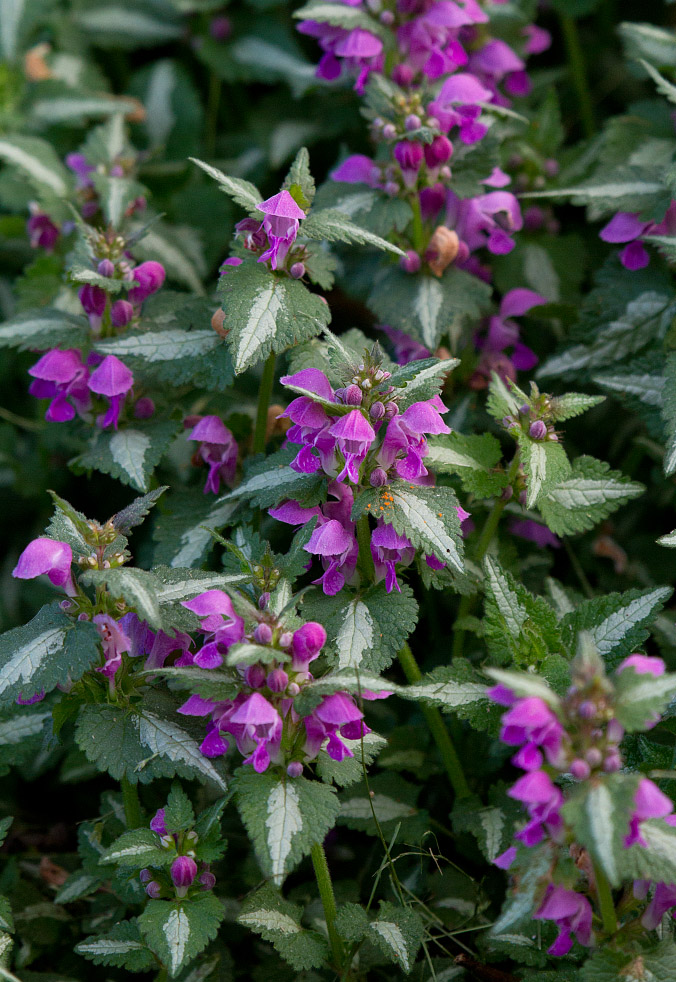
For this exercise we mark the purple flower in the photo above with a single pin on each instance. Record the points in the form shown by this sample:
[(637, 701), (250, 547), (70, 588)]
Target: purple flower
[(183, 872), (281, 224), (409, 155), (573, 916), (628, 227), (62, 377), (307, 642), (336, 714), (405, 445), (121, 313), (48, 556), (93, 300), (389, 548), (77, 162), (338, 550), (643, 665), (220, 623), (532, 721), (505, 859), (218, 450), (115, 643), (663, 900), (534, 532), (358, 169), (649, 802), (157, 822), (260, 723), (150, 276), (113, 380), (42, 231), (354, 435), (542, 799), (155, 647), (406, 349)]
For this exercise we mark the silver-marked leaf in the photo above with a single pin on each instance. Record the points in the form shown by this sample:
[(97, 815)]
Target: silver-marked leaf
[(36, 160), (137, 848), (179, 930), (330, 225), (584, 497), (243, 192), (122, 27), (43, 329), (617, 621), (136, 587)]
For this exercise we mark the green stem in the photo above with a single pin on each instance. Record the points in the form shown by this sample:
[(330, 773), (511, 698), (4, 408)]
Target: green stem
[(578, 72), (323, 877), (213, 105), (264, 393), (132, 804), (437, 728), (366, 565), (418, 230), (605, 899), (162, 975)]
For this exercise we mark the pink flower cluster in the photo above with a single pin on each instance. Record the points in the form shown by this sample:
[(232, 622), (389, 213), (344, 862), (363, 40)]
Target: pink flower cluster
[(261, 718), (184, 871), (579, 738), (217, 449), (627, 227), (368, 445), (274, 236)]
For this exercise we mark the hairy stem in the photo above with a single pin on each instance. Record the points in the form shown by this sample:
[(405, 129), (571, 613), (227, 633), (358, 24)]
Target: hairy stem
[(437, 727), (605, 899), (264, 393), (578, 72), (323, 877), (132, 804), (418, 230)]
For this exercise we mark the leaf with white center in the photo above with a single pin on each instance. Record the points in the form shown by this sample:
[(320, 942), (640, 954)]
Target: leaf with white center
[(338, 15), (669, 414), (646, 387), (559, 598), (276, 920), (128, 449), (273, 62), (79, 109), (642, 698), (177, 585), (656, 860), (657, 44), (181, 531), (36, 160), (587, 495), (668, 540), (284, 817), (667, 89), (166, 345), (266, 312), (505, 598), (473, 458), (446, 693), (129, 454), (137, 848), (503, 399), (545, 465), (177, 931), (11, 12), (329, 225), (116, 194), (112, 26), (272, 480), (616, 622), (598, 814), (243, 192), (355, 637), (427, 516), (387, 809), (50, 649), (16, 729), (572, 404), (121, 946), (77, 886), (41, 329), (398, 932), (141, 746), (136, 587), (420, 379)]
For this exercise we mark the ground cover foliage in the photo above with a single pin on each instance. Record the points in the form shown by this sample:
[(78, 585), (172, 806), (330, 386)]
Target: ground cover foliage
[(337, 462)]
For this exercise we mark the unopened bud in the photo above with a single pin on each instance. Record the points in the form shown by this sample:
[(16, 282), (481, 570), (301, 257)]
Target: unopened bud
[(183, 872), (537, 430), (580, 770), (594, 757), (587, 709), (121, 313), (614, 731), (377, 411), (411, 262), (297, 271), (285, 639), (207, 880), (612, 763), (412, 123), (389, 131), (353, 396), (295, 769), (154, 890), (255, 676), (263, 601), (293, 689), (145, 876), (378, 478), (277, 680), (391, 410), (263, 634)]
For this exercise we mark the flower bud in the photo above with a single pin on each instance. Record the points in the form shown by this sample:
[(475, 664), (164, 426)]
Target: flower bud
[(438, 152), (297, 271), (612, 763), (263, 601), (411, 262), (145, 876), (580, 770), (93, 300), (378, 478), (307, 642), (391, 410), (377, 411), (277, 680), (255, 676), (154, 890), (402, 75), (183, 872), (538, 430), (263, 634), (391, 188), (389, 131), (295, 769), (285, 639), (386, 18), (144, 408), (121, 313), (614, 731), (220, 28), (157, 822), (106, 268), (65, 604), (593, 757), (207, 880), (507, 493), (587, 709), (412, 123), (293, 689), (353, 396), (409, 156)]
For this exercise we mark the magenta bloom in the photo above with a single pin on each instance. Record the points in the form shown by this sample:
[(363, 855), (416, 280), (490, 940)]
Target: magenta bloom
[(307, 642), (338, 550), (389, 548), (643, 665), (354, 435), (336, 714), (50, 557), (534, 532), (282, 216), (154, 646), (42, 231), (218, 449), (150, 276), (62, 377), (405, 444), (113, 380), (358, 169), (259, 723), (183, 872), (157, 822), (663, 900), (222, 625), (542, 799), (628, 227), (115, 643), (649, 802), (573, 916)]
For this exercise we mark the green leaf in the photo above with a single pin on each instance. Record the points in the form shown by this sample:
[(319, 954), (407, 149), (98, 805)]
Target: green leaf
[(616, 621), (657, 44), (599, 815), (138, 848), (140, 745), (271, 480), (398, 932), (129, 454), (136, 587), (338, 15), (473, 458), (5, 825), (654, 962), (284, 817), (669, 540), (421, 379), (349, 770), (77, 886), (300, 176), (329, 225), (243, 192), (428, 307), (178, 812), (178, 931), (11, 14), (669, 414), (545, 465), (116, 195), (587, 495), (79, 273), (645, 386), (121, 947), (265, 312), (642, 698), (657, 860), (42, 329), (36, 160), (123, 27), (572, 404), (428, 516), (50, 649), (251, 654), (489, 824), (368, 209), (276, 920), (137, 511), (167, 345), (181, 531)]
